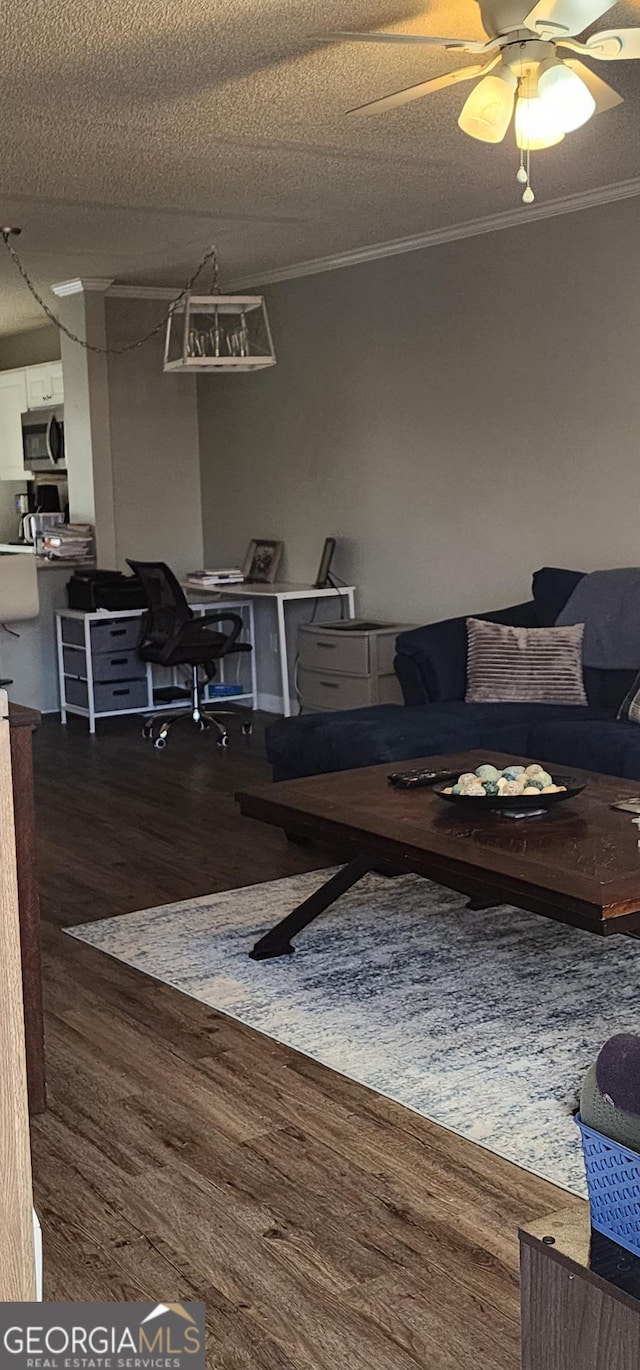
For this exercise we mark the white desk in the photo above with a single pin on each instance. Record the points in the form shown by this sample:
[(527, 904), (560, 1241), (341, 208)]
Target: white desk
[(282, 593)]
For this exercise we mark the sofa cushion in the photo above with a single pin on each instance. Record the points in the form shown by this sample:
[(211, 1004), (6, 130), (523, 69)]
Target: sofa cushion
[(312, 744), (606, 745), (551, 587), (607, 689)]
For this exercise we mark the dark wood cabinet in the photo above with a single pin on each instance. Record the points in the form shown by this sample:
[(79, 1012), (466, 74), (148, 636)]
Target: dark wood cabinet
[(579, 1295)]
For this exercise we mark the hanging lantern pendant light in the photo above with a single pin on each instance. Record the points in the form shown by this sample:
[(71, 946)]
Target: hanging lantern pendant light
[(218, 333)]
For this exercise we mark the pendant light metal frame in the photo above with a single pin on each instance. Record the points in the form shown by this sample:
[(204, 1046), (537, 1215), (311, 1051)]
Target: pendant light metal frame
[(217, 305)]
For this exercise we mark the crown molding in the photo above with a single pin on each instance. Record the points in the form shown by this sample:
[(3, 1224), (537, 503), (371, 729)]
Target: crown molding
[(491, 223), (143, 292), (108, 286), (79, 285)]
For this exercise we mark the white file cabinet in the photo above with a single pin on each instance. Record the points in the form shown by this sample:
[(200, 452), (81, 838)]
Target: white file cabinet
[(101, 674)]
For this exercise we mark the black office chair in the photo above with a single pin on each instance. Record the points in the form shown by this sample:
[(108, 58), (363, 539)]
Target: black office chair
[(172, 635)]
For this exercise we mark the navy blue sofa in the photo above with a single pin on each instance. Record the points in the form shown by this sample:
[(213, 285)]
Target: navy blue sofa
[(431, 666)]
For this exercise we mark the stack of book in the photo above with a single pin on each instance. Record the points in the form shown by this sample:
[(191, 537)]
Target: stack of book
[(212, 580)]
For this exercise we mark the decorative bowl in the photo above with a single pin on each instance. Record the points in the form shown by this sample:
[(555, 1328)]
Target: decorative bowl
[(502, 803)]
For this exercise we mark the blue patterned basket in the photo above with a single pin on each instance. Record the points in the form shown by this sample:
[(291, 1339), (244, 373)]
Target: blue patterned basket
[(613, 1181)]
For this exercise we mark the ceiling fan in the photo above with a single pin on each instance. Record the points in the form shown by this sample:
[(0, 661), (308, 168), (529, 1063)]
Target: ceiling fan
[(523, 74)]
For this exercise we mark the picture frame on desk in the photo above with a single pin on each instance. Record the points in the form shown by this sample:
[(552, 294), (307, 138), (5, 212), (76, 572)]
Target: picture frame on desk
[(262, 561), (323, 578)]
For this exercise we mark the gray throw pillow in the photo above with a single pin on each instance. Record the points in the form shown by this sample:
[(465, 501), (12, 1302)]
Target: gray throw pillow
[(524, 665)]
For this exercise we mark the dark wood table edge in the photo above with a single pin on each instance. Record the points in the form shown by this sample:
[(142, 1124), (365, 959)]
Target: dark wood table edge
[(371, 850)]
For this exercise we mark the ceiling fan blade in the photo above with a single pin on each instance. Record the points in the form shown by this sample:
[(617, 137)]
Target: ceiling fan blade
[(552, 18), (604, 95), (403, 97), (613, 45), (462, 44)]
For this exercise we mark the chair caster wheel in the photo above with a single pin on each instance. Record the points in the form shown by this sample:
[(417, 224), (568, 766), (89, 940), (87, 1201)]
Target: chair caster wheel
[(147, 730), (247, 729), (204, 725), (223, 742), (160, 743)]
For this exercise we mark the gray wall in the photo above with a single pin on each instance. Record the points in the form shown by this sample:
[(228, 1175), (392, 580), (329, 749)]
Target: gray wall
[(154, 444), (456, 416), (132, 436), (28, 349)]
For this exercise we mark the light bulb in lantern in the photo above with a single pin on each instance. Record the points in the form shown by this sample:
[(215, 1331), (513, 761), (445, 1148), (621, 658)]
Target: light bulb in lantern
[(567, 100), (486, 114), (535, 128)]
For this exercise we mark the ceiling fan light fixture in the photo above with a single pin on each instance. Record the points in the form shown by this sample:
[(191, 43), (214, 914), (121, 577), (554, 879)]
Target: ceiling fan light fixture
[(486, 113), (534, 127), (566, 97)]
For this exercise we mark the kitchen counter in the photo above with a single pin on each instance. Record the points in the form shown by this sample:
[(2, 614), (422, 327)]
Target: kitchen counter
[(60, 563), (42, 563)]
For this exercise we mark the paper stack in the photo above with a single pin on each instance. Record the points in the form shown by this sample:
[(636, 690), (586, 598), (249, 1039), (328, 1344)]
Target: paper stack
[(211, 580), (69, 542)]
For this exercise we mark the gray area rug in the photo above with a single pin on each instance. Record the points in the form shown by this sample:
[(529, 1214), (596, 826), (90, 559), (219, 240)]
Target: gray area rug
[(483, 1022)]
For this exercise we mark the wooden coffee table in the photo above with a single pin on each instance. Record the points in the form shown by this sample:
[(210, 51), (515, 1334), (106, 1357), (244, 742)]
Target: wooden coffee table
[(579, 864)]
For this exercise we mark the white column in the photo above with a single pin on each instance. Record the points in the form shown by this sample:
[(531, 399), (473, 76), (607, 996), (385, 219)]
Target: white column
[(86, 411)]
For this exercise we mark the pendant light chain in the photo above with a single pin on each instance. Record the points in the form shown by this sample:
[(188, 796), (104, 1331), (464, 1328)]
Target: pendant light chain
[(209, 256), (215, 274)]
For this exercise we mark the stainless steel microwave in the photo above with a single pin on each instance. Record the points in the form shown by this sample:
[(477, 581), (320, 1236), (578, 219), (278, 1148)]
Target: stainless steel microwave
[(43, 439)]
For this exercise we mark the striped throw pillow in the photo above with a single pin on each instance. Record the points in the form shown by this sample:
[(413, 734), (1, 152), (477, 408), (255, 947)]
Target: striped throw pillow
[(528, 665)]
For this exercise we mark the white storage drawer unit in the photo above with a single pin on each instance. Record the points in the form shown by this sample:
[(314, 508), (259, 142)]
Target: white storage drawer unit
[(100, 670), (347, 665), (101, 673)]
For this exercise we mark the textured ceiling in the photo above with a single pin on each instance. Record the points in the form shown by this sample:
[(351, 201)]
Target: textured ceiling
[(136, 132)]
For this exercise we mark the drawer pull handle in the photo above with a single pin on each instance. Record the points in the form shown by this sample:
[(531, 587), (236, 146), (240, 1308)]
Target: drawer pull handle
[(117, 632), (118, 661), (122, 692), (329, 684), (328, 646)]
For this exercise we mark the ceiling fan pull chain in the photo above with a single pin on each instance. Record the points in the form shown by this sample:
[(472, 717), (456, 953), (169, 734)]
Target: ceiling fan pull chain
[(528, 196)]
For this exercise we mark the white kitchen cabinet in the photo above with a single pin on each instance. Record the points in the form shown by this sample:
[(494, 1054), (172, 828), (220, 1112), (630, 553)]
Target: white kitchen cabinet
[(44, 385), (13, 402)]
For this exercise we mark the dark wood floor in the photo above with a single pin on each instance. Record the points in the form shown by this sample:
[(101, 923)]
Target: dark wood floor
[(185, 1156)]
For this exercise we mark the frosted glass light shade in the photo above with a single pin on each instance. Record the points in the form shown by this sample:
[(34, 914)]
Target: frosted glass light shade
[(566, 98), (486, 114), (535, 128)]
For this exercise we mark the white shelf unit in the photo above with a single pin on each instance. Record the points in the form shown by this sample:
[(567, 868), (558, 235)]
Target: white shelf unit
[(98, 664)]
